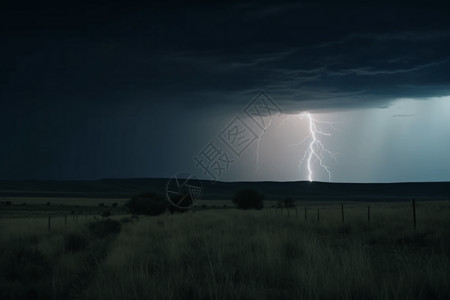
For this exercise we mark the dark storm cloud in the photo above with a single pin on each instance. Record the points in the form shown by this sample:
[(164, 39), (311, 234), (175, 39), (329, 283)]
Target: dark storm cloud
[(94, 89), (319, 54)]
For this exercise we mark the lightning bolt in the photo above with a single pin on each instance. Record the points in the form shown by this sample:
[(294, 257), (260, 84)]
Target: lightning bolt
[(316, 150)]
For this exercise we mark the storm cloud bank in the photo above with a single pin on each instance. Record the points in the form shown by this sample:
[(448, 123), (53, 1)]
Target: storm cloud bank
[(314, 54)]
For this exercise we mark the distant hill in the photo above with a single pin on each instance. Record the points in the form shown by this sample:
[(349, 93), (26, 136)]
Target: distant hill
[(298, 190), (103, 188)]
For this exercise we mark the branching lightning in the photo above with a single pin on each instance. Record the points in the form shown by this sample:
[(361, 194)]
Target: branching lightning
[(316, 150), (316, 153)]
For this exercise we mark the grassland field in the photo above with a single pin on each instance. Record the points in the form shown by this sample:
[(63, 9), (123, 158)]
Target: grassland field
[(218, 252)]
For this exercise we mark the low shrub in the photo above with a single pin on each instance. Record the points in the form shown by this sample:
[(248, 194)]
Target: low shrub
[(152, 204), (248, 198)]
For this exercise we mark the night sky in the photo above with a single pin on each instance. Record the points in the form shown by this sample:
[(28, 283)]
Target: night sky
[(114, 90)]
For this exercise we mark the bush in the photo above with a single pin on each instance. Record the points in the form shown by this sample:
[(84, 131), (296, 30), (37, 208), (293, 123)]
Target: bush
[(152, 204), (248, 198)]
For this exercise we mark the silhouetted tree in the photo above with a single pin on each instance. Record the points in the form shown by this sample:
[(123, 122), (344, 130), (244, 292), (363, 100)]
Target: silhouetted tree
[(148, 204), (248, 198)]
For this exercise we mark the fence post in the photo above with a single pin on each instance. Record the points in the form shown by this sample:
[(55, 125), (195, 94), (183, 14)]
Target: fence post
[(342, 212), (368, 214), (49, 218), (318, 215), (414, 213)]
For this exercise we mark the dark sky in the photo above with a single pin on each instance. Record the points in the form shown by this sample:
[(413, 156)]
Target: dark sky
[(124, 90)]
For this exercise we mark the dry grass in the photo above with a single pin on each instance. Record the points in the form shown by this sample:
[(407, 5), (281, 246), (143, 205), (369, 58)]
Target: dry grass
[(36, 263), (232, 254), (259, 255)]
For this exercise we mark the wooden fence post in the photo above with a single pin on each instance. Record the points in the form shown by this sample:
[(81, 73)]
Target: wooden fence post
[(342, 212), (49, 218), (414, 213)]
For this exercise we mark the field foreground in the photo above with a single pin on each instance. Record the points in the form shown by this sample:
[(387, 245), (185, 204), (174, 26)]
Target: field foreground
[(231, 254)]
